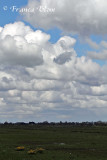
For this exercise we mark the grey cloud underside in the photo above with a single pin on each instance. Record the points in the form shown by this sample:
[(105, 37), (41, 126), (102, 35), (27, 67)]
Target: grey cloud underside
[(60, 82), (84, 17), (63, 58)]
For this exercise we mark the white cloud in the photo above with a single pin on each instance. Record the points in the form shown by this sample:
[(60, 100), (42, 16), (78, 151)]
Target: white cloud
[(84, 17), (20, 45), (15, 29), (1, 29), (62, 82), (37, 37), (104, 44), (100, 54), (92, 44)]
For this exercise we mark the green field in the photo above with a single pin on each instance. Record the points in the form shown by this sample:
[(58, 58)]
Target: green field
[(59, 142)]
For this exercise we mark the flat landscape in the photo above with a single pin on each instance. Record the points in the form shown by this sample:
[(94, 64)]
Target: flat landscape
[(60, 142)]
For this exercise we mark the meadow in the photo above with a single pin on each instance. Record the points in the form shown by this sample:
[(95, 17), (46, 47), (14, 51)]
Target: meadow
[(59, 142)]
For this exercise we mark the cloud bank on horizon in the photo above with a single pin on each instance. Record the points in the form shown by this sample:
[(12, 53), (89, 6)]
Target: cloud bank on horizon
[(41, 80)]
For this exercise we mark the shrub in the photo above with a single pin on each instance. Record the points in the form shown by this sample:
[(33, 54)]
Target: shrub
[(21, 148), (40, 150), (31, 151)]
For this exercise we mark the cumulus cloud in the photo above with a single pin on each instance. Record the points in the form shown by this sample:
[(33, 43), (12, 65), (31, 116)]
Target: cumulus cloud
[(92, 44), (100, 54), (38, 78), (84, 17), (20, 45)]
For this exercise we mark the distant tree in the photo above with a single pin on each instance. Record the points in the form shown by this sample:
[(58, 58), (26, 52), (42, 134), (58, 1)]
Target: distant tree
[(31, 123), (6, 123), (45, 122)]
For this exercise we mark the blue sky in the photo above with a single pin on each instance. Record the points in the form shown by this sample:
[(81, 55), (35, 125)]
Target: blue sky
[(9, 16), (53, 60)]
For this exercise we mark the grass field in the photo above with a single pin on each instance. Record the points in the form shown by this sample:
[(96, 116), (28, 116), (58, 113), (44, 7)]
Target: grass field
[(60, 143)]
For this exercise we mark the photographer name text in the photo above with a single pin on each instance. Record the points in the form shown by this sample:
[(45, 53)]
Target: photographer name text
[(42, 9)]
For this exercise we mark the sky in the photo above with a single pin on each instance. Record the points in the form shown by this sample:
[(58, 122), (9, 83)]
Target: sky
[(53, 60)]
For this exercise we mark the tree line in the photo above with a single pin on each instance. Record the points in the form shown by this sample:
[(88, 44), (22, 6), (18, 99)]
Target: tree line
[(98, 123)]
